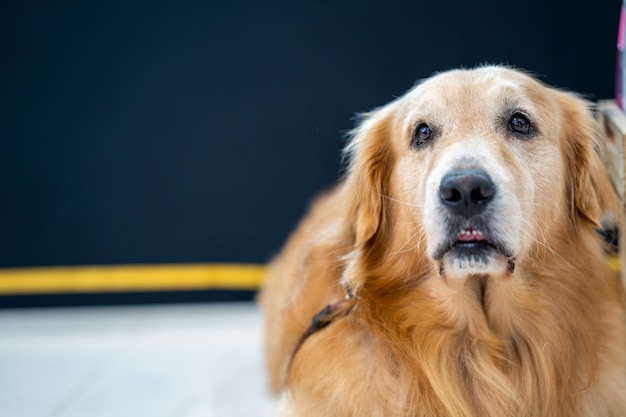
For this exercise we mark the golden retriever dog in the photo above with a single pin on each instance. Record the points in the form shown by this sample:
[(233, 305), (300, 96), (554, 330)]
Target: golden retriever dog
[(456, 270)]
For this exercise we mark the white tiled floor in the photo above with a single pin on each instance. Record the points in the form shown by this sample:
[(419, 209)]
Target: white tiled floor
[(156, 361)]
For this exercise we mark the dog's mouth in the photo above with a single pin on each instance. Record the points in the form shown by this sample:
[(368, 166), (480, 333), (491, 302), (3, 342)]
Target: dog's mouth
[(470, 240), (473, 251)]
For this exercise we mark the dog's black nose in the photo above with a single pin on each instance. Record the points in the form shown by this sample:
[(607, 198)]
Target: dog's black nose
[(466, 193)]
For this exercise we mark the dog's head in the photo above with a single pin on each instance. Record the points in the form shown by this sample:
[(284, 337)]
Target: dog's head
[(476, 168)]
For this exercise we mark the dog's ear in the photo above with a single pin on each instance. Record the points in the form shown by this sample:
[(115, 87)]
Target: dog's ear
[(370, 158), (591, 193)]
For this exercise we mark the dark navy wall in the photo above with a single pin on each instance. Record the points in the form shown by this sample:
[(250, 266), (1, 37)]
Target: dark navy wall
[(198, 131)]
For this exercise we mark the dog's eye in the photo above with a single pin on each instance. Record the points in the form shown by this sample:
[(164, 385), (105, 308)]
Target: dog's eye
[(520, 124), (422, 134)]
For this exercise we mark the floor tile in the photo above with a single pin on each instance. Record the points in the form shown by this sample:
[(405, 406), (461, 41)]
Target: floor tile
[(156, 361)]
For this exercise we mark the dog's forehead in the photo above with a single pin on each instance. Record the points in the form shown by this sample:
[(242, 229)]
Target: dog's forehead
[(477, 80), (476, 91)]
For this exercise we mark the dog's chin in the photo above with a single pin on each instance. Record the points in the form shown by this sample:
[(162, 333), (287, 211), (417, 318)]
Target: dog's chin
[(465, 260)]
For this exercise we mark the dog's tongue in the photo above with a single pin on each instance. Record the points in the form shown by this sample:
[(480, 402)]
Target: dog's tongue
[(470, 236)]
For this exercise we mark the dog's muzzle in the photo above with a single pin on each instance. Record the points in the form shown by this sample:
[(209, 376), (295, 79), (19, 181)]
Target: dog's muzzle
[(470, 240)]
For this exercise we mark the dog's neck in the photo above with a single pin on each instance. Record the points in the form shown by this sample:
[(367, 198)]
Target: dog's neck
[(490, 335)]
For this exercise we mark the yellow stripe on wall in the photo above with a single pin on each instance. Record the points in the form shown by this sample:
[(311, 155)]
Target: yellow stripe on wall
[(87, 279), (614, 262)]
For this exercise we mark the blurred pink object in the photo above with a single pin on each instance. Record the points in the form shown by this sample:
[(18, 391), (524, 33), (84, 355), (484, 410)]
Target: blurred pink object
[(620, 60)]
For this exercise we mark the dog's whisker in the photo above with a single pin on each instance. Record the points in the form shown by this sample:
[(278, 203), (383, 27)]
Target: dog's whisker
[(543, 243), (417, 245), (401, 202)]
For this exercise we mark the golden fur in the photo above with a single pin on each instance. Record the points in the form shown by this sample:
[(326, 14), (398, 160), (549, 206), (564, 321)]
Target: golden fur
[(431, 337)]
